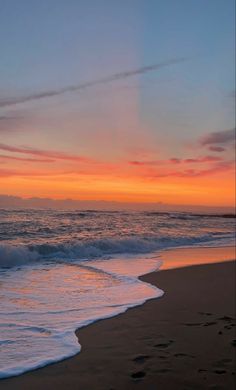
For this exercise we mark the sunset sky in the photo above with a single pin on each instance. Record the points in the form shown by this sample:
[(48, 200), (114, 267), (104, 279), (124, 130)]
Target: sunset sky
[(159, 134)]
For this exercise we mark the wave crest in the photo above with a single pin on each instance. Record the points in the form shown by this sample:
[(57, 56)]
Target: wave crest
[(16, 255), (11, 255)]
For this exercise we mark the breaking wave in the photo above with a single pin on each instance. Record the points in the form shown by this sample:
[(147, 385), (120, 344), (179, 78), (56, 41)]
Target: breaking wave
[(16, 255)]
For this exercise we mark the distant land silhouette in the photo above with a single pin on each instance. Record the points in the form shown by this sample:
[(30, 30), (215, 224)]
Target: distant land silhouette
[(9, 201)]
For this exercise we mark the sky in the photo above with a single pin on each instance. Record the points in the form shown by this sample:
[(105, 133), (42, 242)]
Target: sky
[(125, 101)]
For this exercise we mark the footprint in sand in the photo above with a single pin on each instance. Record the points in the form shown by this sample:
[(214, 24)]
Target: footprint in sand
[(183, 355), (220, 372), (233, 343), (226, 318), (141, 358), (164, 345), (210, 323), (201, 323), (138, 374), (204, 313), (228, 327)]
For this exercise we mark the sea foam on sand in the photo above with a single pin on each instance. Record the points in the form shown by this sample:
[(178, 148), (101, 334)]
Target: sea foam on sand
[(42, 306)]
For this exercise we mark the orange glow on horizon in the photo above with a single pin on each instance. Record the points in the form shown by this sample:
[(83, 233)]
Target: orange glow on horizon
[(215, 190), (199, 178)]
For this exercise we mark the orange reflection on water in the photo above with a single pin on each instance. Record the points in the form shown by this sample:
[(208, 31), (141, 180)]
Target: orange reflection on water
[(175, 258)]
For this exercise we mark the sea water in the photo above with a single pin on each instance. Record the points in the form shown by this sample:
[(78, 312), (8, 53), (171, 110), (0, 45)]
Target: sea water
[(62, 270)]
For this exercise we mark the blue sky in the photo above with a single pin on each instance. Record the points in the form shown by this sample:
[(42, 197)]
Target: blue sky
[(51, 42)]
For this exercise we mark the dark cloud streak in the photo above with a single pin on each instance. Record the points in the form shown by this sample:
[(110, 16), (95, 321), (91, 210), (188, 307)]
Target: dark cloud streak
[(175, 161), (75, 88), (49, 154), (6, 118), (219, 137), (218, 149), (4, 157)]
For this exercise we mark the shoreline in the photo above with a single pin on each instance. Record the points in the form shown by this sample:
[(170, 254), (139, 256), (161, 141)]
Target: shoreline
[(81, 370)]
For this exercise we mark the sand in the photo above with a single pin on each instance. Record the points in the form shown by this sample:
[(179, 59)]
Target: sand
[(184, 340)]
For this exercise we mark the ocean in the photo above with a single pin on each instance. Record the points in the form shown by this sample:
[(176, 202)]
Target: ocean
[(62, 270)]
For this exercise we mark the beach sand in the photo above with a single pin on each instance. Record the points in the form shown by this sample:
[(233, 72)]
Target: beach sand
[(184, 340)]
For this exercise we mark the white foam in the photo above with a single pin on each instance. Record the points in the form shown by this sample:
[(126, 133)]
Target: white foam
[(73, 250), (55, 278), (12, 255), (68, 347), (38, 323)]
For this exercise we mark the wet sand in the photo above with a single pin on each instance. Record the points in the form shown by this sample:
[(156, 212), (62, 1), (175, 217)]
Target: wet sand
[(182, 257), (184, 340)]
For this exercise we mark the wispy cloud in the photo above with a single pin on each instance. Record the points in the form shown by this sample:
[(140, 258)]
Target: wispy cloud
[(219, 137), (217, 168), (45, 153), (145, 172), (14, 158), (205, 159), (216, 149), (197, 160), (6, 117), (10, 122), (6, 102), (29, 173), (143, 163), (20, 173)]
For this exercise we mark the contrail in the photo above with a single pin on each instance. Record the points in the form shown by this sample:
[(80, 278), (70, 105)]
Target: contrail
[(74, 88)]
